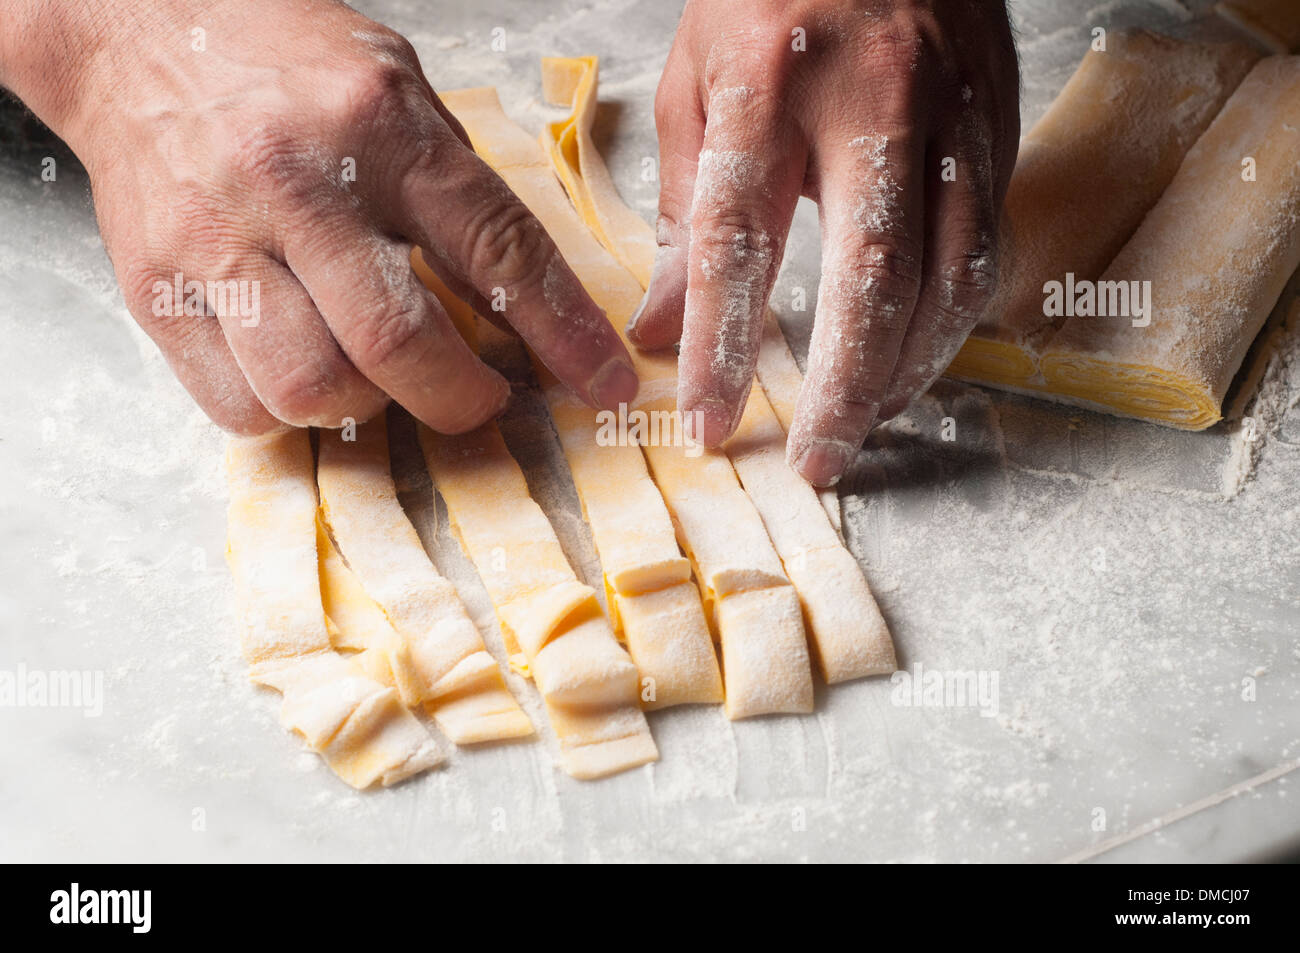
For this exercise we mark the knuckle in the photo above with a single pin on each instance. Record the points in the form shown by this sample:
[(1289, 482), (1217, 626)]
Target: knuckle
[(669, 231), (735, 239), (893, 266), (965, 286), (765, 109), (508, 245), (848, 400), (733, 228), (390, 46), (266, 157), (388, 332), (304, 395), (860, 387), (138, 279), (909, 39), (770, 44), (378, 91), (877, 288), (765, 51)]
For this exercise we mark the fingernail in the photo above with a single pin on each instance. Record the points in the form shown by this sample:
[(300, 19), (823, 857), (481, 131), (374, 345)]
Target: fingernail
[(709, 422), (822, 462), (630, 327), (615, 383)]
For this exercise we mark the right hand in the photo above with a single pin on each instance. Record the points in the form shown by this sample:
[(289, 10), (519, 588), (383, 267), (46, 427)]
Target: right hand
[(227, 164)]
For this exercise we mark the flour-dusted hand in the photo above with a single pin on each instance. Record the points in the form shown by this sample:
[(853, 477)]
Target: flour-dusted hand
[(260, 170), (901, 119)]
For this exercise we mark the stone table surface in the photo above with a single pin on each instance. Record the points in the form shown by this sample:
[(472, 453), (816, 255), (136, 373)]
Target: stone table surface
[(1134, 591)]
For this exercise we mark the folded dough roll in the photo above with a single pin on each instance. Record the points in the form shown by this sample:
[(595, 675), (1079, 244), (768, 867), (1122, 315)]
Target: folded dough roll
[(1209, 298), (1087, 173)]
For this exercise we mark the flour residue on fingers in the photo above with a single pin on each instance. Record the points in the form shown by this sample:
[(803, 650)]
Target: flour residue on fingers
[(870, 274), (734, 262), (880, 205)]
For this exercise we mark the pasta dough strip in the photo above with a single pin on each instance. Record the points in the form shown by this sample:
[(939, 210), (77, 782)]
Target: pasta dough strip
[(572, 82), (845, 626), (764, 653), (547, 616), (355, 723), (449, 670), (652, 602), (1087, 173), (1207, 308), (360, 727), (651, 596), (356, 622)]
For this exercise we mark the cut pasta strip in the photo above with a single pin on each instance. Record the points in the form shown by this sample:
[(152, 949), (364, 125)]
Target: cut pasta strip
[(1273, 23), (847, 632), (572, 82), (355, 723), (779, 375), (271, 546), (1087, 173), (1207, 308), (652, 601), (449, 668), (357, 623), (764, 654), (551, 622)]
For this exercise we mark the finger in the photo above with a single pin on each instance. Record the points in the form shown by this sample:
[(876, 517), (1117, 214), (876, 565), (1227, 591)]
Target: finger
[(456, 206), (960, 268), (287, 353), (747, 184), (872, 225), (447, 116), (434, 258), (196, 350), (438, 263), (680, 122), (393, 329)]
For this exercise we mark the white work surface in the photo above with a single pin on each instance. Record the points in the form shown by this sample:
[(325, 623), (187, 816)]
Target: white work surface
[(1132, 587)]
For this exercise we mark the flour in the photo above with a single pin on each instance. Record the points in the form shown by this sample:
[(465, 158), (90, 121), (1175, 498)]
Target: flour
[(980, 552)]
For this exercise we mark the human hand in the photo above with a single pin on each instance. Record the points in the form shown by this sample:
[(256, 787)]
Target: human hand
[(221, 141), (901, 119)]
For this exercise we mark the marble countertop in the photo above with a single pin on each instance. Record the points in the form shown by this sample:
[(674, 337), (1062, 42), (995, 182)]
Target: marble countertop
[(1135, 591)]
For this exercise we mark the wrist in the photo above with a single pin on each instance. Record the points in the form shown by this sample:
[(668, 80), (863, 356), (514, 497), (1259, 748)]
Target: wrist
[(45, 52), (65, 59)]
